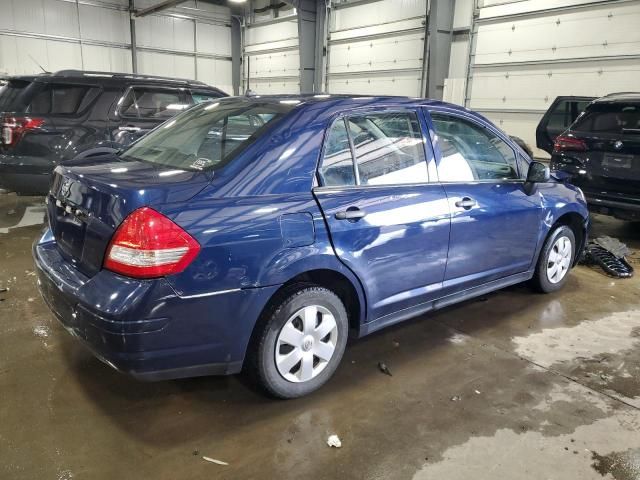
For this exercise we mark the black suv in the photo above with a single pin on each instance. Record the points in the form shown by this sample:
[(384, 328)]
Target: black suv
[(600, 153), (49, 118)]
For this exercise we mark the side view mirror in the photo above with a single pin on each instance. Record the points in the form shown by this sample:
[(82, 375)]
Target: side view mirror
[(538, 173)]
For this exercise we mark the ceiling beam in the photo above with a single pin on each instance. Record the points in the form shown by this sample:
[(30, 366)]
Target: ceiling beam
[(158, 7)]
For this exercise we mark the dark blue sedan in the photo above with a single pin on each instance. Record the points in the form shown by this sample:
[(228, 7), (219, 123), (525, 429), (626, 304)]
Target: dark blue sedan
[(259, 233)]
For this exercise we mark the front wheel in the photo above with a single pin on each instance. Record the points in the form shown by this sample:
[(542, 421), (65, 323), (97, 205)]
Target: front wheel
[(301, 343), (555, 261)]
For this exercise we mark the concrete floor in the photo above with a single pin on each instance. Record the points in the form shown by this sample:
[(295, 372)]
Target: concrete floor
[(514, 385)]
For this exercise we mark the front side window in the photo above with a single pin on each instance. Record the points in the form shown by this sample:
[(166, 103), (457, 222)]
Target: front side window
[(208, 136), (149, 102), (388, 150), (471, 152)]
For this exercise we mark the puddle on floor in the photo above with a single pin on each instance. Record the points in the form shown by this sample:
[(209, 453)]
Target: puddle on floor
[(589, 339)]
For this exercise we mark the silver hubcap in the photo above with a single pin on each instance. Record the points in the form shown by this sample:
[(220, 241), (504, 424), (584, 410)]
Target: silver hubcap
[(559, 260), (306, 343)]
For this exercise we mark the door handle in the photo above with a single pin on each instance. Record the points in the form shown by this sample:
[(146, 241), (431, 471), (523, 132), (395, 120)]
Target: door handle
[(466, 203), (129, 129), (351, 214)]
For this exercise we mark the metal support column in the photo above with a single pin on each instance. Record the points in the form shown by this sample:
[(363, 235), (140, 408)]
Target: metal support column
[(236, 53), (132, 28)]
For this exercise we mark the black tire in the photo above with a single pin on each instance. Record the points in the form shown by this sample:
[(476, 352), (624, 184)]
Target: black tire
[(540, 280), (261, 357)]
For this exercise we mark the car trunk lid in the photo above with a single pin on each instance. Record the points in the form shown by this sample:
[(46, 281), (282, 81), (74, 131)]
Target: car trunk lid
[(87, 202)]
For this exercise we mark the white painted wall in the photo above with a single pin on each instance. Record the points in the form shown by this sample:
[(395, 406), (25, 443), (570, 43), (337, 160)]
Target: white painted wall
[(191, 41), (376, 47), (527, 52)]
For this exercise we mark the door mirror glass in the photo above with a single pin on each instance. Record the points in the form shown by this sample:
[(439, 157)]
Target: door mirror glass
[(538, 173)]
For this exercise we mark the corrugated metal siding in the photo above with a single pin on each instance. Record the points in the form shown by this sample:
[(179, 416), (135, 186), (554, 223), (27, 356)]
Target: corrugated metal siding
[(192, 40)]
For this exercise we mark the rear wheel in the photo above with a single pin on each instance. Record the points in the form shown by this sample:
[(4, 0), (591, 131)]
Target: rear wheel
[(555, 261), (301, 342)]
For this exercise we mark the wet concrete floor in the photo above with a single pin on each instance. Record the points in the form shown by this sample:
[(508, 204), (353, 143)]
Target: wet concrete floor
[(515, 385)]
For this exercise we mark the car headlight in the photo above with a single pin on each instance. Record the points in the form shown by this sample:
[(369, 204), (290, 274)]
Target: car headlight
[(581, 194)]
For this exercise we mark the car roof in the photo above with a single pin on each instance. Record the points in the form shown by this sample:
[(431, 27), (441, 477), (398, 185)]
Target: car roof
[(621, 97), (75, 76), (330, 103)]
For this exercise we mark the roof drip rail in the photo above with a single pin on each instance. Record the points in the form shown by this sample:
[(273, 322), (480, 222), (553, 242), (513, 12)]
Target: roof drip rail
[(136, 76)]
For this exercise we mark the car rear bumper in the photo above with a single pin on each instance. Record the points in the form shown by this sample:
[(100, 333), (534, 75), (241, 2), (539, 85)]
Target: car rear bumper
[(142, 327), (24, 176), (616, 204)]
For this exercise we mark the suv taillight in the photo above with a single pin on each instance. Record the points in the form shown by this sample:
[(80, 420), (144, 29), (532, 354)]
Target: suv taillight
[(147, 244), (565, 143), (13, 128)]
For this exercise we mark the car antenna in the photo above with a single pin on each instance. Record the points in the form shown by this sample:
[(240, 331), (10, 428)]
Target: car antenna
[(36, 62)]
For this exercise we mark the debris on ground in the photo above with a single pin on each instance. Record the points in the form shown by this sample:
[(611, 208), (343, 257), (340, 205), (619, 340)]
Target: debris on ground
[(396, 344), (384, 369), (2, 290), (11, 212), (456, 398), (213, 460), (613, 245), (477, 392), (334, 441), (609, 254)]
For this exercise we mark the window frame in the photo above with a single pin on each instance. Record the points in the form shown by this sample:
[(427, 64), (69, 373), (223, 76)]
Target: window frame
[(344, 117), (180, 90), (486, 126)]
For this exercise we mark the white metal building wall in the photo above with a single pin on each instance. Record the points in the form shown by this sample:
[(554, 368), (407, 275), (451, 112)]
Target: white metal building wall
[(189, 41), (376, 47), (526, 52), (60, 34), (271, 57)]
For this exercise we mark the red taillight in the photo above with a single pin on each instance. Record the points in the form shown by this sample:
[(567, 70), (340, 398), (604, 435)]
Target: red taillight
[(13, 128), (147, 244), (565, 143)]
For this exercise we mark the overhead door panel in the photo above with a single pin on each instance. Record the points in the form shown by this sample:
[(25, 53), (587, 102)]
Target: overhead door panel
[(376, 47)]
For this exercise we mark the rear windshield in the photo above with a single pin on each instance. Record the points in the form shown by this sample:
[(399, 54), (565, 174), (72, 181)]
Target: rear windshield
[(10, 93), (610, 118), (206, 136)]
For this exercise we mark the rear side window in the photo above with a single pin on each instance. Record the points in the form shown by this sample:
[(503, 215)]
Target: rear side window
[(10, 94), (388, 150), (54, 99), (202, 96), (158, 103), (337, 164), (616, 118), (471, 152)]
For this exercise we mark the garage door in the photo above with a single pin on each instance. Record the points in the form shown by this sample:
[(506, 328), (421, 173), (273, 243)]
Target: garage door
[(376, 47)]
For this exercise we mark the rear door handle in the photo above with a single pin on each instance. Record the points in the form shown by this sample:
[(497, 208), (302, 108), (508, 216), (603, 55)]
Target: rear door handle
[(466, 203), (352, 214)]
